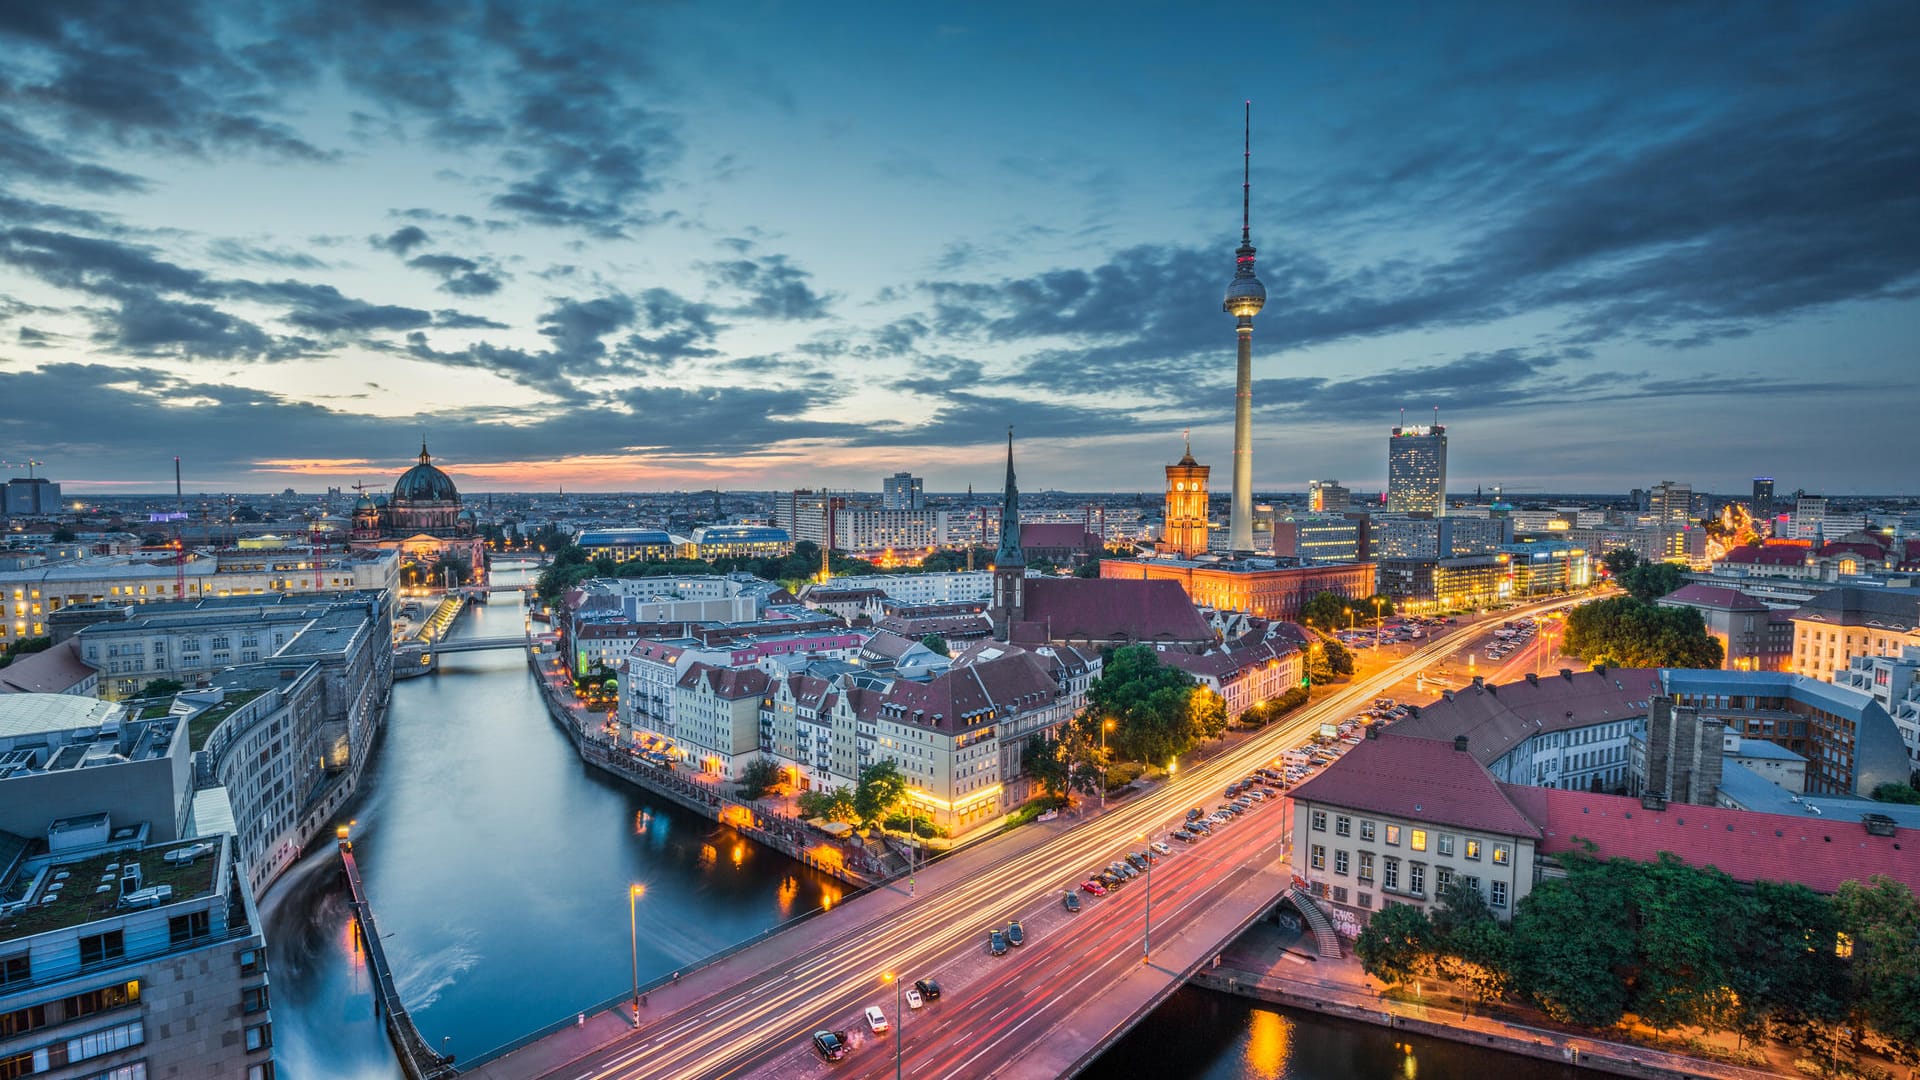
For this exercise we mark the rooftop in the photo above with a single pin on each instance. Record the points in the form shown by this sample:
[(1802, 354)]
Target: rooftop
[(79, 901), (1417, 780), (201, 727), (1496, 719), (41, 714)]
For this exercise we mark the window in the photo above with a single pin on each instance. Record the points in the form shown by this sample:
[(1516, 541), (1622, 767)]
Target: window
[(1366, 830), (1393, 835), (252, 961), (107, 997), (253, 999), (101, 948), (259, 1036), (1390, 873), (13, 1065), (1340, 862), (15, 969), (1471, 881), (1417, 839), (1319, 821), (1366, 868), (1446, 843), (1318, 857), (106, 1041), (183, 929), (1366, 900), (1339, 894), (1500, 854), (262, 1071), (1473, 850), (1499, 894), (1342, 825), (21, 1021), (1417, 878)]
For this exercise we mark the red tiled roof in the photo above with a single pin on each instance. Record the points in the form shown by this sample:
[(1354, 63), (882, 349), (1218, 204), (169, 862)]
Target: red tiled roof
[(1712, 596), (1223, 663), (1114, 609), (1074, 537), (1817, 852), (1419, 780), (1498, 718), (50, 671), (1767, 555), (730, 683), (1012, 683)]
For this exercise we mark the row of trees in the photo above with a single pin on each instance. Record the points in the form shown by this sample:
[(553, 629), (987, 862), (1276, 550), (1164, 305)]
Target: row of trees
[(1644, 581), (571, 566), (1330, 611), (1675, 945), (880, 791)]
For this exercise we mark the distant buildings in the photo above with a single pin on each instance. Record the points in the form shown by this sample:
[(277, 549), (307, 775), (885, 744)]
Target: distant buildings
[(1762, 508), (1671, 503), (423, 520), (30, 497), (1841, 624), (1327, 497), (1393, 536), (1417, 470), (738, 542), (1259, 587), (902, 491), (1321, 539), (1754, 635), (623, 545), (1185, 531)]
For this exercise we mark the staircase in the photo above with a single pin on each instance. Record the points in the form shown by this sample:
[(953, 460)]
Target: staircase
[(1323, 932)]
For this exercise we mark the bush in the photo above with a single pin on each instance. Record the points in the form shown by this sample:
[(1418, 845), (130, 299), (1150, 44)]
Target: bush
[(1123, 773), (921, 827)]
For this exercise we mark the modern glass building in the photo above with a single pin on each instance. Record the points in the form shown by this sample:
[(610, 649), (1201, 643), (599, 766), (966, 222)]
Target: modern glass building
[(1417, 470)]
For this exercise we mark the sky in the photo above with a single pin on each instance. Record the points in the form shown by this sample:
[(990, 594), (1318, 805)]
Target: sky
[(766, 245)]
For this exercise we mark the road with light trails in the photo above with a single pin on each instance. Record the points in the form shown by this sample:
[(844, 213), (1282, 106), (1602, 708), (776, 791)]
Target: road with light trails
[(989, 1019)]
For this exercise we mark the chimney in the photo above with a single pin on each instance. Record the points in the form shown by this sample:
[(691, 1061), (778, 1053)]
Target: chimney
[(1878, 824), (1373, 732), (1653, 801), (1533, 678), (1566, 673), (1494, 689), (1479, 680), (1460, 743), (1599, 669), (1448, 694)]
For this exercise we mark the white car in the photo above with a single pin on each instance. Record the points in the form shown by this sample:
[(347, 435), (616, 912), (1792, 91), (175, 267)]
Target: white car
[(914, 1000), (1161, 847), (876, 1019)]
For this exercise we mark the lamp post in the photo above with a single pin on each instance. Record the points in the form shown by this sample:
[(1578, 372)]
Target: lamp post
[(634, 892), (1376, 624), (1105, 726), (1146, 939), (913, 845), (899, 1016)]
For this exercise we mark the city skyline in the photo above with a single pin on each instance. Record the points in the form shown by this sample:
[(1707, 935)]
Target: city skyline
[(727, 249)]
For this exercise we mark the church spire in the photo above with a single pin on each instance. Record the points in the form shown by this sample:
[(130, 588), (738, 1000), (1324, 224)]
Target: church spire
[(425, 458), (1010, 553)]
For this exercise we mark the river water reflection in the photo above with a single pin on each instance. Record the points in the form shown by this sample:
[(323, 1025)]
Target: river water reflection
[(498, 865)]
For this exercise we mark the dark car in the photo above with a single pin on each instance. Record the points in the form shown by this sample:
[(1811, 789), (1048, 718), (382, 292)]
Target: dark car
[(1135, 859), (1111, 880), (1184, 836), (831, 1045), (1070, 900), (1016, 935), (929, 988), (1196, 814), (996, 944)]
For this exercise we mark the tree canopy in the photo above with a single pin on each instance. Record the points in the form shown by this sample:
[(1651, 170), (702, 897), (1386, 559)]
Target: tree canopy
[(1649, 581), (882, 787), (1158, 712), (1625, 632), (1329, 611)]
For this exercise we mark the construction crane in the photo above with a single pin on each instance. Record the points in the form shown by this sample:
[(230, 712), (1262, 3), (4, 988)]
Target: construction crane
[(30, 463), (179, 549)]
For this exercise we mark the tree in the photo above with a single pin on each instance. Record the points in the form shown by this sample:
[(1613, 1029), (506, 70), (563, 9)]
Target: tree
[(1619, 562), (1328, 611), (1397, 945), (1625, 632), (1207, 713), (64, 535), (1328, 660), (759, 777), (1649, 581), (1379, 605), (1786, 969), (834, 804), (1149, 702), (1686, 957), (1881, 920), (882, 787), (1571, 941), (937, 644), (1041, 759), (161, 688), (1457, 904), (1895, 792)]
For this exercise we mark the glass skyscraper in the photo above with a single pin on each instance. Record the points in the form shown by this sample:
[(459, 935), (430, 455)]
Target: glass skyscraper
[(1417, 470)]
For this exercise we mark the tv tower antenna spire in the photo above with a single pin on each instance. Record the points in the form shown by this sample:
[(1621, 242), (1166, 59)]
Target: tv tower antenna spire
[(1245, 297)]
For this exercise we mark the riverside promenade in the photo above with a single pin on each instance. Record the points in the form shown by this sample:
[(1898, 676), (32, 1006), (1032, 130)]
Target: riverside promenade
[(417, 1060), (1274, 965)]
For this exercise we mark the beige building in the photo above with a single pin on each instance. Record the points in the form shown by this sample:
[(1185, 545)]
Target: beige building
[(1840, 624), (1398, 818), (716, 717)]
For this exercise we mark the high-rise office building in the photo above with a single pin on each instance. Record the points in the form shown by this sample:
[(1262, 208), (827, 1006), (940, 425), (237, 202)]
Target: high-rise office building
[(1671, 503), (1327, 497), (1762, 507), (35, 496), (1417, 470), (902, 491)]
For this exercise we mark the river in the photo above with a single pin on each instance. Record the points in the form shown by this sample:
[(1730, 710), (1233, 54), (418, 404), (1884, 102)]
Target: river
[(498, 865)]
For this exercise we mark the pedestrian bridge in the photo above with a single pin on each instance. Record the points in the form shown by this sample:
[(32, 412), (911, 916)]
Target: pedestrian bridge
[(477, 644)]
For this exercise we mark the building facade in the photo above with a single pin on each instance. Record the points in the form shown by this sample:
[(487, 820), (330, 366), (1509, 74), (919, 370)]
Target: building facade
[(1185, 531), (1417, 470), (902, 491), (1838, 625)]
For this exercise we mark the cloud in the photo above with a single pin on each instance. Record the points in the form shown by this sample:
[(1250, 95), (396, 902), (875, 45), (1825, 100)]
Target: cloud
[(462, 277), (769, 287), (449, 319), (401, 241), (24, 155)]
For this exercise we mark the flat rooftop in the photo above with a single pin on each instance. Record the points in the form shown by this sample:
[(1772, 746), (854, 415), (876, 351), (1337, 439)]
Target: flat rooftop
[(201, 727), (78, 901)]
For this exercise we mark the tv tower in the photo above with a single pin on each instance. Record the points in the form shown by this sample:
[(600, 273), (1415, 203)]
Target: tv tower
[(1245, 297)]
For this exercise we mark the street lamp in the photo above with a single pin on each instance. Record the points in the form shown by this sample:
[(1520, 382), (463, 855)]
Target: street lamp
[(1105, 726), (899, 1016), (1376, 623), (1146, 939), (634, 892)]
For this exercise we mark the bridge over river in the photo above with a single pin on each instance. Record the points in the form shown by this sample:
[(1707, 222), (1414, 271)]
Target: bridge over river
[(1081, 979)]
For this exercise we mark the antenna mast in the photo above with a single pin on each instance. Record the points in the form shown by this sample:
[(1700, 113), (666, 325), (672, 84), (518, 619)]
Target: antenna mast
[(1246, 177), (179, 549)]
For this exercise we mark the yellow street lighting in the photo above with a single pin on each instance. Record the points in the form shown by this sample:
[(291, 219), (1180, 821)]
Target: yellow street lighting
[(634, 893)]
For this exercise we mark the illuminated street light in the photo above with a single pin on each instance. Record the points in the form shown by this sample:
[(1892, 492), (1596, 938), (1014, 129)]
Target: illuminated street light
[(634, 892), (1146, 939), (899, 1016)]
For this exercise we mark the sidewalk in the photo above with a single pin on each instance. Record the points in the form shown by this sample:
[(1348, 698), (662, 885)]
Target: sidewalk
[(1271, 964)]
